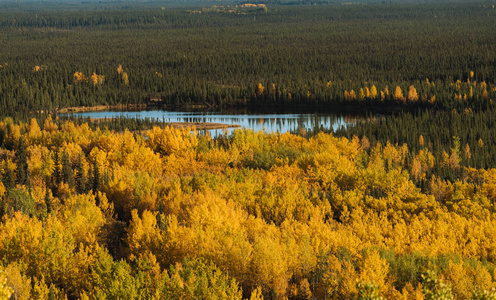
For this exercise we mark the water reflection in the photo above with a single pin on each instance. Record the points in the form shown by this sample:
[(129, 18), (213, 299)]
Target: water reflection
[(282, 122)]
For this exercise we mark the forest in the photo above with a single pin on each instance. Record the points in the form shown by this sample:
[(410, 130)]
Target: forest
[(332, 56), (401, 205)]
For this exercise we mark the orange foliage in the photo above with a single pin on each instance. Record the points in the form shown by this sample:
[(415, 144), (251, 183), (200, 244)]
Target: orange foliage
[(320, 217)]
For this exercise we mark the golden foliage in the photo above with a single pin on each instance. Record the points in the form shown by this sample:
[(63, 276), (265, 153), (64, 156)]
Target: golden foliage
[(485, 95), (5, 290), (398, 94), (125, 78), (361, 94), (373, 92), (259, 90), (320, 217), (350, 96), (97, 79), (432, 100), (412, 94), (79, 77)]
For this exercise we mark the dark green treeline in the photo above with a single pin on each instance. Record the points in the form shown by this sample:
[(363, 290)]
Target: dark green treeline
[(301, 55)]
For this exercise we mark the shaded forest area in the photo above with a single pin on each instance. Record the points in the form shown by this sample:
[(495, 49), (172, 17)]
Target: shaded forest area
[(326, 56)]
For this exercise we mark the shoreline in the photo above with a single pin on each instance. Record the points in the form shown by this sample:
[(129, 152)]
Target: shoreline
[(201, 126), (77, 109), (179, 125), (311, 107), (183, 125)]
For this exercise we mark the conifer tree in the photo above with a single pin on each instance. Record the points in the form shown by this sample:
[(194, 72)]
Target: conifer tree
[(22, 163), (89, 179), (56, 175), (67, 174), (8, 178), (48, 200), (96, 180), (79, 180)]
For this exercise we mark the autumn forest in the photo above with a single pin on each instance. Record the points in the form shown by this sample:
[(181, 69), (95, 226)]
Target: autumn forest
[(399, 205)]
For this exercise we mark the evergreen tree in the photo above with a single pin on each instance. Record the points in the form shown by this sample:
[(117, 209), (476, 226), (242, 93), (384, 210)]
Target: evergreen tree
[(161, 224), (89, 181), (67, 174), (79, 180), (96, 180), (56, 176), (22, 163), (48, 200), (8, 178)]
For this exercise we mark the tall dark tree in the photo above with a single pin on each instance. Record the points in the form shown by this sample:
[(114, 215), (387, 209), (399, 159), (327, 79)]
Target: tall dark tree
[(56, 175), (96, 179), (67, 175), (8, 178), (79, 180), (90, 178), (22, 163), (48, 199)]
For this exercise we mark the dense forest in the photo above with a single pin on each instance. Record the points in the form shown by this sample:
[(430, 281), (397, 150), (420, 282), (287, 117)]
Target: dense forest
[(364, 56), (96, 214), (401, 205)]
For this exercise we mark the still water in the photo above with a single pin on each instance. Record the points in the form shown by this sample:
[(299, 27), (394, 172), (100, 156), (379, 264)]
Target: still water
[(270, 122)]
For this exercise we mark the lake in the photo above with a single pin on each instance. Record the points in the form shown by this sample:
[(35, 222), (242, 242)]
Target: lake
[(270, 122)]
